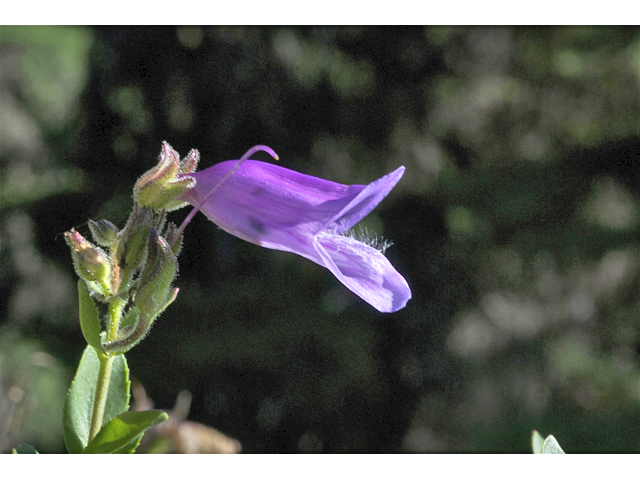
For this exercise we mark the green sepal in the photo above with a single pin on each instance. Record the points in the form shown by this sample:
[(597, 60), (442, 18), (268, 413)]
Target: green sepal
[(104, 232), (160, 187), (156, 277), (24, 448), (123, 433), (190, 162), (132, 245), (137, 326), (78, 407), (165, 197), (174, 243), (129, 319), (89, 318), (129, 328)]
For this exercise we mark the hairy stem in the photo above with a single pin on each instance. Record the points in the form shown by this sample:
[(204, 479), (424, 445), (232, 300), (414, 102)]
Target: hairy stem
[(106, 363), (102, 389), (115, 314)]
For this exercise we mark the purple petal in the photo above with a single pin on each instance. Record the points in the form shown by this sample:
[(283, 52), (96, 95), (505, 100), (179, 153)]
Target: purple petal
[(260, 198), (285, 210), (365, 271), (366, 200)]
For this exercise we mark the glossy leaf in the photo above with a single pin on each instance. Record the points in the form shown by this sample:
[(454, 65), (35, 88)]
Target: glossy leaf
[(24, 448), (78, 407), (89, 318), (123, 433), (551, 445), (536, 441)]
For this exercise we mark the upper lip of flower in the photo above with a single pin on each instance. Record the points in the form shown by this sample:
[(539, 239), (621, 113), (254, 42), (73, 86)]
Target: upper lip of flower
[(287, 210), (289, 199)]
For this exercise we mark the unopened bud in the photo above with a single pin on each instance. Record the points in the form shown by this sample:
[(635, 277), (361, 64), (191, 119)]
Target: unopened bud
[(175, 242), (132, 245), (104, 232), (153, 291), (153, 296), (160, 187), (91, 263)]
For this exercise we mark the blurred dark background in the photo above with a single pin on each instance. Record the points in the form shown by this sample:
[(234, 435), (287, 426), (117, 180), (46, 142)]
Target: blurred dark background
[(516, 225)]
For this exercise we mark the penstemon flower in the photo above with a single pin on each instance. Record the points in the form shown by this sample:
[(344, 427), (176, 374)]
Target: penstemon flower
[(285, 210), (131, 270)]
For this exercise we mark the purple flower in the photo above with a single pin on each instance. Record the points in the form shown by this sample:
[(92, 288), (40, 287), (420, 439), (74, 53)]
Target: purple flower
[(285, 210)]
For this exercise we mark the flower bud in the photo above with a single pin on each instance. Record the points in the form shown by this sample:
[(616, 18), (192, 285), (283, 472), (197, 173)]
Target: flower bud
[(152, 297), (174, 242), (153, 294), (91, 263), (160, 187), (131, 252), (104, 232)]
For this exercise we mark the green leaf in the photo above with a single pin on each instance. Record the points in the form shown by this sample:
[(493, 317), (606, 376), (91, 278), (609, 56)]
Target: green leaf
[(78, 407), (536, 441), (89, 318), (24, 448), (123, 433), (551, 445)]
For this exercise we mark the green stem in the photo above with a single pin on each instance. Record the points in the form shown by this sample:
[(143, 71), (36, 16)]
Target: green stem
[(115, 314), (106, 363), (102, 390)]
